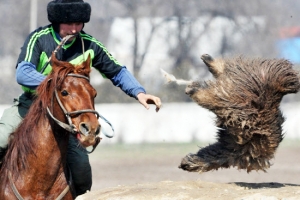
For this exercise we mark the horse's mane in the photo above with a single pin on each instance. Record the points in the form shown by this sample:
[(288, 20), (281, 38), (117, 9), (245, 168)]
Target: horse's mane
[(23, 140)]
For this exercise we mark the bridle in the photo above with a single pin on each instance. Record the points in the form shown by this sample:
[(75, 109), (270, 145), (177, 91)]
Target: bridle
[(19, 197), (70, 127)]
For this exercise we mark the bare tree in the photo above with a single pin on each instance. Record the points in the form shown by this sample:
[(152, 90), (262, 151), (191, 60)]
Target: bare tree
[(253, 30)]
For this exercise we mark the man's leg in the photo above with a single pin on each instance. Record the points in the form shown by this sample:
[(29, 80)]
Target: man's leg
[(78, 163), (11, 118), (8, 123)]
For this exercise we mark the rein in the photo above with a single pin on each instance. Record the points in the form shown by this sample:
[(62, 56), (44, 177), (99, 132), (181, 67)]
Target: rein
[(19, 197), (69, 127), (62, 42)]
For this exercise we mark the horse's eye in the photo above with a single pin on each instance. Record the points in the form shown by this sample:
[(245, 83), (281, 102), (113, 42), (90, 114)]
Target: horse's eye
[(64, 93)]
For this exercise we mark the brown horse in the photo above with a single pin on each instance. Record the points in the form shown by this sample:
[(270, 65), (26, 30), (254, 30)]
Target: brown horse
[(34, 166)]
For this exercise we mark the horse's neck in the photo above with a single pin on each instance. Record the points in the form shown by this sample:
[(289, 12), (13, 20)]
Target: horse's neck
[(51, 150), (44, 167)]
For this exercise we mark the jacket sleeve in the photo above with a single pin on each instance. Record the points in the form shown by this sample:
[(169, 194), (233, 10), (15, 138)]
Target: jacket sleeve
[(26, 75), (126, 81), (104, 62)]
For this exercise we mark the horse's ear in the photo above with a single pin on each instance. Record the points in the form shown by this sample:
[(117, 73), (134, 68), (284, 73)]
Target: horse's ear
[(88, 61), (54, 61)]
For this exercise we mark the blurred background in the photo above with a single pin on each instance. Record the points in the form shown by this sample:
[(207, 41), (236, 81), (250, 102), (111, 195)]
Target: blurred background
[(146, 35)]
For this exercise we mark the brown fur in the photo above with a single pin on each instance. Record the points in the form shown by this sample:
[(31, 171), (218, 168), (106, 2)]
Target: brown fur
[(245, 96)]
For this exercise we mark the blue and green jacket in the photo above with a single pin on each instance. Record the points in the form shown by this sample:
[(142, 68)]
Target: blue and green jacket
[(39, 46)]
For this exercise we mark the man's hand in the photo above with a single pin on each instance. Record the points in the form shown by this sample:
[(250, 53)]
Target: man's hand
[(146, 99)]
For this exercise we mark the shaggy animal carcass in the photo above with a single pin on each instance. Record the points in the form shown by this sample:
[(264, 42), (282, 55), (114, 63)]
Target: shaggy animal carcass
[(245, 96)]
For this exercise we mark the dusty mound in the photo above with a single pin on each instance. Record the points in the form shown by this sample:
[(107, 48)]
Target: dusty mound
[(150, 172), (187, 190)]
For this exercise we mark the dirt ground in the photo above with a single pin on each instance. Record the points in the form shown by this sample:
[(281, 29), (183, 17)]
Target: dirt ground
[(150, 171)]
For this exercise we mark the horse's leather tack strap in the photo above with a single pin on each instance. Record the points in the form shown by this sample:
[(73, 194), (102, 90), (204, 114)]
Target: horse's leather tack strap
[(62, 42), (63, 193), (61, 124), (71, 127), (13, 187), (98, 139), (19, 197)]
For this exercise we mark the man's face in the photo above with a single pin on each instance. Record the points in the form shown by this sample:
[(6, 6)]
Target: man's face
[(70, 29)]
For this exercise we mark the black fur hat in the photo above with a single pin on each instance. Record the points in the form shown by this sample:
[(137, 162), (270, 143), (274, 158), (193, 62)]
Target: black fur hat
[(66, 11)]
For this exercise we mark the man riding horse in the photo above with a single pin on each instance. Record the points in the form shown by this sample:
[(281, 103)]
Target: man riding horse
[(67, 17)]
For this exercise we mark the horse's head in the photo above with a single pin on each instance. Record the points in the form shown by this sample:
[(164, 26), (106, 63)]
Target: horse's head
[(73, 100)]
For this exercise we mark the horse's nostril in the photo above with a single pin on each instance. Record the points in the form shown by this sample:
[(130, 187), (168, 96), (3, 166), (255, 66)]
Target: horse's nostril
[(84, 128), (98, 130)]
